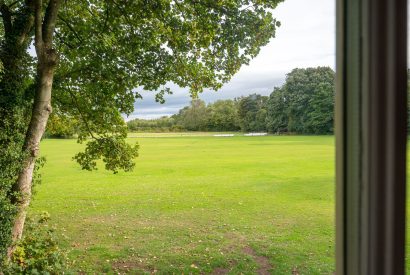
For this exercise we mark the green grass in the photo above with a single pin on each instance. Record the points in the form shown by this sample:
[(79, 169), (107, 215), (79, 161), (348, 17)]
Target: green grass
[(197, 204)]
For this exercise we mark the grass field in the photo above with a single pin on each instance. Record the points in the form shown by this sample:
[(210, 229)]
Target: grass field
[(197, 204)]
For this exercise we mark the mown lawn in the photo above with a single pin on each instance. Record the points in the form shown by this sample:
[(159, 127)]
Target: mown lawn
[(197, 204)]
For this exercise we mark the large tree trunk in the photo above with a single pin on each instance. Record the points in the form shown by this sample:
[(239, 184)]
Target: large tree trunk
[(47, 61), (37, 126)]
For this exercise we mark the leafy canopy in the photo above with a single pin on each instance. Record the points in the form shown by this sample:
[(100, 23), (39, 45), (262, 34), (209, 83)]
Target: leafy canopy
[(305, 103), (110, 49), (107, 50), (252, 112)]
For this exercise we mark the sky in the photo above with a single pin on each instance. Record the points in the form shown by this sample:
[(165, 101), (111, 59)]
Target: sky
[(306, 38)]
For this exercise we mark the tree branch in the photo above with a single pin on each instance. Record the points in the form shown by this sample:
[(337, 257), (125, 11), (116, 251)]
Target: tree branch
[(6, 15), (38, 38), (63, 41), (24, 19), (14, 3), (71, 28), (83, 118), (50, 19)]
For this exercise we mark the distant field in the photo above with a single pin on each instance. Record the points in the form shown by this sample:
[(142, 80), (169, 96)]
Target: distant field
[(197, 204)]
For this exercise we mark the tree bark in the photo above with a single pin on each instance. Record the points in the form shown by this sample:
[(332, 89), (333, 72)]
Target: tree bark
[(47, 61), (37, 126)]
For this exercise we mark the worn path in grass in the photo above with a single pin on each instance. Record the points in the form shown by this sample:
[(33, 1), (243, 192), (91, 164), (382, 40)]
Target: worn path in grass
[(197, 205)]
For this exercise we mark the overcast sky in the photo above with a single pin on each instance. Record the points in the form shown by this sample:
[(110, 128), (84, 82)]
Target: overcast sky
[(306, 38)]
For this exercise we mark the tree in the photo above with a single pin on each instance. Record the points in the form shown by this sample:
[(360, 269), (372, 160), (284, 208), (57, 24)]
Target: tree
[(305, 103), (252, 112), (194, 117), (61, 126), (277, 107), (90, 58), (159, 124), (223, 116)]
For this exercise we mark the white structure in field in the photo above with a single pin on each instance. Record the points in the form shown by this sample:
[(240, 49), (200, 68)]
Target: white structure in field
[(224, 135), (255, 134)]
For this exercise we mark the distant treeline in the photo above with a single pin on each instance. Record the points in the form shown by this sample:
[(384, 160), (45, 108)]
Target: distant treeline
[(219, 116), (303, 105)]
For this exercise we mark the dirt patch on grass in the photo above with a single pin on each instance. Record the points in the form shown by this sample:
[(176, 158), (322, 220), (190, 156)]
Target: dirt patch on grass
[(295, 271), (123, 267), (263, 262), (238, 238), (235, 242), (239, 242)]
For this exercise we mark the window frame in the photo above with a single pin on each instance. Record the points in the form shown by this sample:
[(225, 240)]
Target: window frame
[(371, 136)]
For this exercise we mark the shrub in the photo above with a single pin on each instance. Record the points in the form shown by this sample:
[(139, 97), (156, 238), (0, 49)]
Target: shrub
[(38, 251)]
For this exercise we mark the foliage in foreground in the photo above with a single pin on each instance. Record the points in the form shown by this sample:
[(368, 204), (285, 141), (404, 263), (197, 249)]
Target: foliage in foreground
[(38, 251), (91, 56)]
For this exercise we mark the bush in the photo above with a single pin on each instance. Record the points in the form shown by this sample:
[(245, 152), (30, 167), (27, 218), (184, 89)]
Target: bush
[(38, 251), (61, 126)]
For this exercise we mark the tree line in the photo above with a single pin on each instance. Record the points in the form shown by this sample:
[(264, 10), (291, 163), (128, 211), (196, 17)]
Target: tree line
[(304, 104)]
